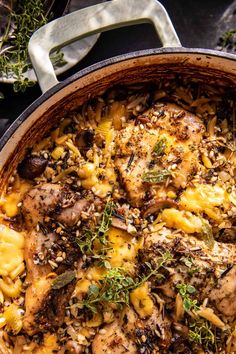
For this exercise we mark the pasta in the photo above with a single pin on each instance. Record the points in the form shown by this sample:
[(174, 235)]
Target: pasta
[(118, 228)]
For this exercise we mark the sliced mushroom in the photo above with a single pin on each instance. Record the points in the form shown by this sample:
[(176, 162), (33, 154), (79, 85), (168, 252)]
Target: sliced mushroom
[(119, 223), (54, 200), (153, 206), (85, 140), (32, 167)]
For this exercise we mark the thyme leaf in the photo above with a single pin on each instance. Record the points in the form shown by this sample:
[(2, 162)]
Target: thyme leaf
[(63, 279), (14, 61), (189, 262), (86, 241), (160, 146), (153, 177), (117, 284), (185, 290)]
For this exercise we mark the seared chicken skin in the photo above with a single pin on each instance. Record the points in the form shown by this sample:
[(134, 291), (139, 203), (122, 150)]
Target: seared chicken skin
[(54, 200), (45, 307), (177, 129)]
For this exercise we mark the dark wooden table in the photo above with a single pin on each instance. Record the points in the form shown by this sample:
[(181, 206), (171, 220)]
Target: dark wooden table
[(198, 24)]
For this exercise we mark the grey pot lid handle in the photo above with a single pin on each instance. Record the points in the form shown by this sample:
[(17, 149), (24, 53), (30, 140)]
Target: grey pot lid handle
[(91, 20)]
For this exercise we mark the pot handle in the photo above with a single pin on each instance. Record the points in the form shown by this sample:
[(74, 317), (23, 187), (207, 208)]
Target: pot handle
[(91, 20)]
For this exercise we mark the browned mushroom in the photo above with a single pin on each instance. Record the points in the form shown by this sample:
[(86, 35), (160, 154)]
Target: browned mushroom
[(85, 139), (32, 167), (118, 223), (153, 206)]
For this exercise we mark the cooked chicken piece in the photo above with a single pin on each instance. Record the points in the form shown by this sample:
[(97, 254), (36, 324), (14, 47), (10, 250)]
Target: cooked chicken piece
[(217, 258), (205, 268), (54, 200), (156, 329), (70, 215), (44, 307), (224, 294), (182, 132), (113, 340)]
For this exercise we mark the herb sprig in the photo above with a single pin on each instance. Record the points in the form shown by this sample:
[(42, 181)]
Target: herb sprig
[(14, 60), (186, 290), (160, 146), (153, 177), (200, 332), (86, 241), (117, 284)]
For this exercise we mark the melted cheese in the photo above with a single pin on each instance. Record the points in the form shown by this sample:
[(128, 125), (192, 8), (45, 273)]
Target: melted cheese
[(12, 200), (141, 300), (183, 220), (124, 248), (204, 198), (11, 250)]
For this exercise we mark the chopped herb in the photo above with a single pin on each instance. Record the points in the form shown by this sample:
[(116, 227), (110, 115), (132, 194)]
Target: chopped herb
[(207, 234), (160, 146), (131, 159), (63, 279), (189, 262), (201, 332), (86, 241), (156, 176), (185, 290), (116, 285)]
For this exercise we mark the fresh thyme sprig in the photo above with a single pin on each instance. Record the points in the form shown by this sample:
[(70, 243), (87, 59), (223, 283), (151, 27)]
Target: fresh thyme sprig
[(186, 290), (200, 332), (86, 241), (117, 284), (14, 60)]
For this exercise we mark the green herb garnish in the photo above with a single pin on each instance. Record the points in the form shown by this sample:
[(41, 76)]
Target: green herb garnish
[(63, 279), (189, 262), (114, 288), (227, 41), (160, 146), (14, 59), (116, 285), (185, 290), (86, 241), (156, 176), (207, 234), (201, 333)]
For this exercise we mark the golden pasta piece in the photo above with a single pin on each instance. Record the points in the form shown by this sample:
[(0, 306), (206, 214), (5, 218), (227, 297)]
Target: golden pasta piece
[(73, 148), (141, 300), (11, 243), (13, 318), (95, 321), (11, 289), (57, 152)]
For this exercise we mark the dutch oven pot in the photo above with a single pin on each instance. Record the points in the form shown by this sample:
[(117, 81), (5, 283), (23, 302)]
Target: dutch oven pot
[(58, 99)]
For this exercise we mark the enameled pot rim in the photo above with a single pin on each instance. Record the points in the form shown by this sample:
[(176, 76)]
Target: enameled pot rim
[(209, 53)]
